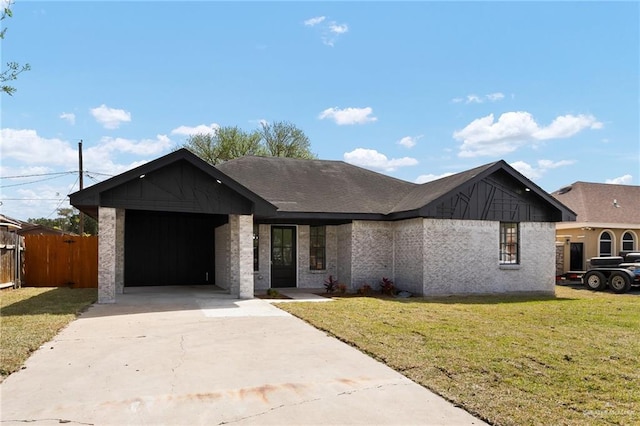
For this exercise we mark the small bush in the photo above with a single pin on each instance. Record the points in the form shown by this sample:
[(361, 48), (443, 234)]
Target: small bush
[(272, 292), (342, 288), (330, 284), (387, 287), (365, 290)]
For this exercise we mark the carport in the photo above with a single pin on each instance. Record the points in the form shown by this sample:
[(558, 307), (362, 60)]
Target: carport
[(158, 225)]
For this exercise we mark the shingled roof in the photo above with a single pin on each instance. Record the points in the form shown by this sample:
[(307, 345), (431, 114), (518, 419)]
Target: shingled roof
[(317, 186), (277, 188), (602, 202)]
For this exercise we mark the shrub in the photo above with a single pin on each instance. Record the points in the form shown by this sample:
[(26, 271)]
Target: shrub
[(342, 288), (387, 287), (365, 290), (272, 292), (330, 284)]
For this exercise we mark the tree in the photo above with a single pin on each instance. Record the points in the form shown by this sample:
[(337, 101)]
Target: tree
[(224, 144), (68, 220), (280, 139), (13, 68), (283, 139)]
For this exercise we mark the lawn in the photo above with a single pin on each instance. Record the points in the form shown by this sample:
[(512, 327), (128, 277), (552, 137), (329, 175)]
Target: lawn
[(510, 360), (31, 316)]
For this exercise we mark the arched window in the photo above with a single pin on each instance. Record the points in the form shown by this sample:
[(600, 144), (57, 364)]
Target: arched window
[(628, 242), (605, 244)]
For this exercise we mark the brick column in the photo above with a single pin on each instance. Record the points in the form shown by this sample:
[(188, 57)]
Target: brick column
[(106, 255), (241, 255)]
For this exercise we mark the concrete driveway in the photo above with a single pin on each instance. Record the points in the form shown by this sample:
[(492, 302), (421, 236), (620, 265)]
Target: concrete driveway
[(188, 356)]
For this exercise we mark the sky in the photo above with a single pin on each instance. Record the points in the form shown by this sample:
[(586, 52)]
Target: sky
[(414, 90)]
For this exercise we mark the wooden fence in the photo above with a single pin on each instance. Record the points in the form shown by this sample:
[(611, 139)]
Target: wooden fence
[(60, 260), (10, 258)]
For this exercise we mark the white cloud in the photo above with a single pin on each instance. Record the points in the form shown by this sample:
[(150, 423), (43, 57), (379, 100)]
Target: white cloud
[(476, 99), (430, 177), (493, 97), (486, 137), (566, 126), (27, 147), (533, 172), (144, 147), (622, 180), (329, 31), (348, 115), (201, 128), (69, 116), (409, 141), (372, 159), (338, 29), (314, 21), (110, 118)]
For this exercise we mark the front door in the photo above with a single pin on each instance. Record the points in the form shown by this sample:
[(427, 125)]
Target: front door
[(576, 261), (283, 256)]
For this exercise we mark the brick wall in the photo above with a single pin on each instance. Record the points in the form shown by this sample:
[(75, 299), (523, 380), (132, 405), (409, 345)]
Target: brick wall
[(315, 279), (462, 256), (343, 258), (408, 255), (371, 252), (262, 277)]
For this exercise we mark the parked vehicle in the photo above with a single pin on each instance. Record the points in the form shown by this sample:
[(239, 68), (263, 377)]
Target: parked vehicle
[(618, 272)]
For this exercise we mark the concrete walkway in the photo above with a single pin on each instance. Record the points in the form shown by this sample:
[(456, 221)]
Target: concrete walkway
[(189, 356)]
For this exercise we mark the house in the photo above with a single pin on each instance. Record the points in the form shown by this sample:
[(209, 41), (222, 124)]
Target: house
[(607, 223), (264, 222)]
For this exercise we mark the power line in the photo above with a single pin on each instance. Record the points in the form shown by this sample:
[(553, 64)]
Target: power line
[(32, 181), (37, 175), (61, 201)]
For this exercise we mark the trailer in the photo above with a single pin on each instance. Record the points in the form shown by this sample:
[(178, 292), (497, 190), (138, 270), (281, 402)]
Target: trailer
[(620, 273)]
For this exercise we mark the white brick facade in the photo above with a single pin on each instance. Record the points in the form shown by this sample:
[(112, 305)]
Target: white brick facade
[(438, 256)]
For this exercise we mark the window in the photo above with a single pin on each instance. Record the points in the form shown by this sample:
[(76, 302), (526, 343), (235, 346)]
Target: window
[(317, 248), (605, 244), (509, 252), (256, 250), (628, 242)]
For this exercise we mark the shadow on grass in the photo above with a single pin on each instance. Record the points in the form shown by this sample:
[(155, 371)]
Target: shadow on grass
[(57, 301)]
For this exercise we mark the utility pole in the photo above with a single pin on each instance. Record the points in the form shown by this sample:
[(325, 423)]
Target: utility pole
[(81, 174)]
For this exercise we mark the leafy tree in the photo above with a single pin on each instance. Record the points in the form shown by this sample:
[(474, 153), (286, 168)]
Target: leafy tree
[(283, 139), (280, 139), (13, 68), (68, 220), (225, 144)]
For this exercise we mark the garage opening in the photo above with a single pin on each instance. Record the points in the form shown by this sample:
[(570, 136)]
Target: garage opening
[(166, 248)]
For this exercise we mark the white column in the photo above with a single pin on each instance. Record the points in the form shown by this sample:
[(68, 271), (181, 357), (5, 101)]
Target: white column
[(241, 255), (106, 255)]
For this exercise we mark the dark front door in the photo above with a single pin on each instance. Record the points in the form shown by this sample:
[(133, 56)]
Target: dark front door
[(283, 256), (576, 261)]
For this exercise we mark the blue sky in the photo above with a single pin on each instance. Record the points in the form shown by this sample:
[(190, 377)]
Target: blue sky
[(416, 90)]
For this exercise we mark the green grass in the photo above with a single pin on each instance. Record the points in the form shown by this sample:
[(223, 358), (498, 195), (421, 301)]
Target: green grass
[(510, 360), (30, 317)]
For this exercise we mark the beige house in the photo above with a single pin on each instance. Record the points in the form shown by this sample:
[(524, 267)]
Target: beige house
[(607, 223)]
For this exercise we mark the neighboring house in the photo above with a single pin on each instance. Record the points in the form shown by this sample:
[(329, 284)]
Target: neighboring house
[(264, 222), (607, 223)]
